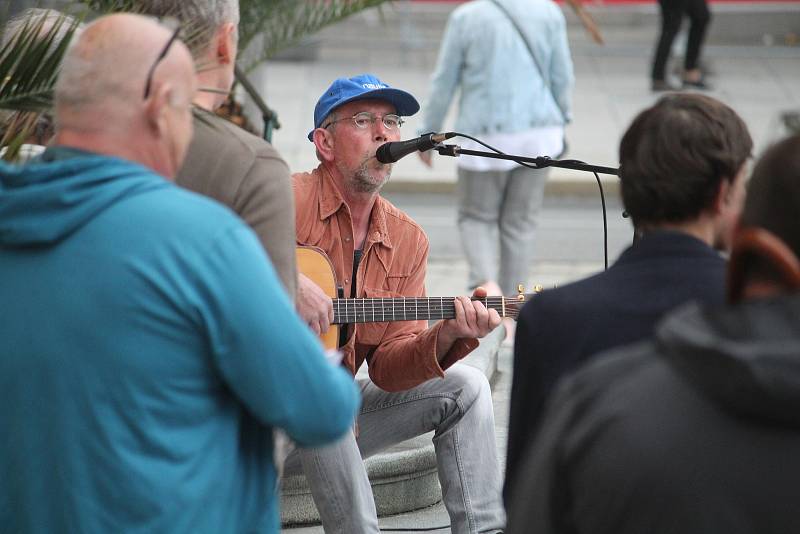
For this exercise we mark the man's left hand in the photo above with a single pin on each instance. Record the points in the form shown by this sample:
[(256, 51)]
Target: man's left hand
[(472, 320)]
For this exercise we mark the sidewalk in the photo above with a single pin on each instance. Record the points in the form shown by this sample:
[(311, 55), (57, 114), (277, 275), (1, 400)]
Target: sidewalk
[(399, 43)]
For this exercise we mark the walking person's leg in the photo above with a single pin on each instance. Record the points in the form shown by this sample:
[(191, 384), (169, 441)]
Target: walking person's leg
[(671, 15), (519, 213), (700, 17), (479, 198)]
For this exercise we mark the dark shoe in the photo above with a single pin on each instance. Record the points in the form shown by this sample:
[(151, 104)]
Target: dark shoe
[(700, 85), (659, 86)]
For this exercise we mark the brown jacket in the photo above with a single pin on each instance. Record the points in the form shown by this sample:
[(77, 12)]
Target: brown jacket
[(400, 355), (247, 174)]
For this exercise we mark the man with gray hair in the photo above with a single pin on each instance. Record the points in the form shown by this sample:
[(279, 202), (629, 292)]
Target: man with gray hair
[(225, 162), (149, 349)]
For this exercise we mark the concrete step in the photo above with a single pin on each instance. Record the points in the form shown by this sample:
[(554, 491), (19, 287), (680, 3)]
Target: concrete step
[(409, 32), (404, 477)]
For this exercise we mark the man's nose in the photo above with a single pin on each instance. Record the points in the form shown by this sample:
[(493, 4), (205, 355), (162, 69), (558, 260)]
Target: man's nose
[(380, 131)]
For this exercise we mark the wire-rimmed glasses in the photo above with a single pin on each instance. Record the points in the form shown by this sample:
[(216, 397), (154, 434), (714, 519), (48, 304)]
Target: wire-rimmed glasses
[(365, 119)]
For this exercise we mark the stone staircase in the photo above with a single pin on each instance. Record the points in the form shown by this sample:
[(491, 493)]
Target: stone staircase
[(408, 33)]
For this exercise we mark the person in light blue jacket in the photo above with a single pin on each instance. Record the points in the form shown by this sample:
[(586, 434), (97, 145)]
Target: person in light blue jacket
[(148, 348), (514, 102)]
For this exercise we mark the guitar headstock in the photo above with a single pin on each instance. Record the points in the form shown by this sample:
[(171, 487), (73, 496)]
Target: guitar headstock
[(511, 306)]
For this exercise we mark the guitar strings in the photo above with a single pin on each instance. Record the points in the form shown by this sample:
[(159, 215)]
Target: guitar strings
[(375, 308)]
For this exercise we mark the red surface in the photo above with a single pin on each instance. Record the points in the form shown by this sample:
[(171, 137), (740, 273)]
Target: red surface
[(613, 2)]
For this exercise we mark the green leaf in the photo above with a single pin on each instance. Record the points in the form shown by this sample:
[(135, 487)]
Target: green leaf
[(29, 64), (272, 25)]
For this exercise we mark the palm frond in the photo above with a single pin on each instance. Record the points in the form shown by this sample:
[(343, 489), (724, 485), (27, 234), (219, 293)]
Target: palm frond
[(29, 64), (272, 25)]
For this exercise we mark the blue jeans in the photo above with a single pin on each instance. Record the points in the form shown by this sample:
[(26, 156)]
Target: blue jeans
[(499, 206), (458, 408)]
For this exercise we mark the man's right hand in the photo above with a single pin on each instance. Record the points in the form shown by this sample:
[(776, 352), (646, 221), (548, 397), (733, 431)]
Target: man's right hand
[(313, 305)]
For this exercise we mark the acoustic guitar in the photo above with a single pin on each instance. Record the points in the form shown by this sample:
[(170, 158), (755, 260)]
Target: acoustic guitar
[(315, 264)]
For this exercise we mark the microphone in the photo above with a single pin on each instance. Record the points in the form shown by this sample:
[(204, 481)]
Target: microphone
[(393, 151)]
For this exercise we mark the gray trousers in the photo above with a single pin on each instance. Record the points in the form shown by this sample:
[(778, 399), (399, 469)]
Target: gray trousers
[(458, 408), (499, 207)]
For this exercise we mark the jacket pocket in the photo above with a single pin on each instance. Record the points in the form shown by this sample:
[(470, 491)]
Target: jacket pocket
[(378, 314), (396, 283)]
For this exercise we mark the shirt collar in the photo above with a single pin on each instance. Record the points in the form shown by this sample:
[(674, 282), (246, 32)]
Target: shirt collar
[(331, 201)]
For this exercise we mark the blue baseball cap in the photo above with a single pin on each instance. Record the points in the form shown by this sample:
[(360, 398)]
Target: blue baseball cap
[(361, 87)]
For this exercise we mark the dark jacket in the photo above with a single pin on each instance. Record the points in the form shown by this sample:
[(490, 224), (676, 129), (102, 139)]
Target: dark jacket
[(696, 432), (246, 174), (559, 329)]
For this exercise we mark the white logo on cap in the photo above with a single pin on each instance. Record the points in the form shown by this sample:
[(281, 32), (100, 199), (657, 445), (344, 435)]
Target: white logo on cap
[(373, 86)]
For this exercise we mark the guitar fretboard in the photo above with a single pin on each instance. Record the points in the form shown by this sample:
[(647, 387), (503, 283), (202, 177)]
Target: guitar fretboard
[(377, 310)]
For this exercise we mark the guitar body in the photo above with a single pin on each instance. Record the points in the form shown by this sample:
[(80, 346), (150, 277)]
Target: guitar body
[(314, 263)]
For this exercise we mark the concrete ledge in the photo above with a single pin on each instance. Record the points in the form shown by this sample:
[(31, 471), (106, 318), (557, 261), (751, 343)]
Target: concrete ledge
[(404, 477)]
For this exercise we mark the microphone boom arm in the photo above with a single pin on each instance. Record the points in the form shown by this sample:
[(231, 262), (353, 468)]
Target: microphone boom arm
[(540, 162)]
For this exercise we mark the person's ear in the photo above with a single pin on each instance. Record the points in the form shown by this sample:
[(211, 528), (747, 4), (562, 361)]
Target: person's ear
[(723, 196), (727, 192), (324, 141), (156, 105), (226, 44)]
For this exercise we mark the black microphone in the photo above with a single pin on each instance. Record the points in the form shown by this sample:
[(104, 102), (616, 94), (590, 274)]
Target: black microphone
[(393, 151)]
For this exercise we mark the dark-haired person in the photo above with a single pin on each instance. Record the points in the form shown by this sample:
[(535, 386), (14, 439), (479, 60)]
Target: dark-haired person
[(696, 431), (682, 182)]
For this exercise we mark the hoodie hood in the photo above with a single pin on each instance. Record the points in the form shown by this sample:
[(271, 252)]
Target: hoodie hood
[(43, 203), (746, 357)]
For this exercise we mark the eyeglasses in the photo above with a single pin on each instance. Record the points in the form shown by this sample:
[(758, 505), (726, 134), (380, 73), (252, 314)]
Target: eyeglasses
[(160, 57), (365, 119)]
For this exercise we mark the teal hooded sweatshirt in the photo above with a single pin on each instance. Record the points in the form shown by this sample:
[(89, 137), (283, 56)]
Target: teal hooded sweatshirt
[(147, 350)]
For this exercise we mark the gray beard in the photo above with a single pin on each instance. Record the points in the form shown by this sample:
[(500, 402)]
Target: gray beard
[(363, 182)]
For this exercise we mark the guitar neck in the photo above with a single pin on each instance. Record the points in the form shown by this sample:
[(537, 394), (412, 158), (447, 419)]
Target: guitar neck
[(379, 310)]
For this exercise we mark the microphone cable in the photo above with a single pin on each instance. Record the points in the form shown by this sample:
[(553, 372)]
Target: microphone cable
[(596, 176)]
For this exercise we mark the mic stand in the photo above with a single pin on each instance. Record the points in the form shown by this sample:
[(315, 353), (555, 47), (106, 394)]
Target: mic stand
[(539, 162)]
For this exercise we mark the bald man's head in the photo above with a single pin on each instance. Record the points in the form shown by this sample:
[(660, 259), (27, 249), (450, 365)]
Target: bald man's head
[(100, 89), (108, 64)]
